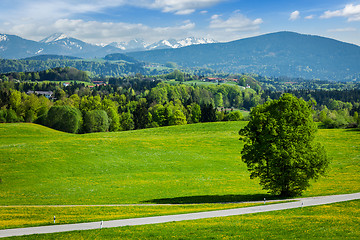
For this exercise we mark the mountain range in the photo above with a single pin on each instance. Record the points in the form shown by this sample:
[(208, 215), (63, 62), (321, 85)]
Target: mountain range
[(141, 45), (14, 47), (276, 54)]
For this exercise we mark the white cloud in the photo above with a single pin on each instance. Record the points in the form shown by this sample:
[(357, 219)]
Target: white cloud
[(45, 9), (215, 16), (185, 12), (294, 15), (349, 29), (310, 17), (102, 32), (230, 28), (37, 19), (183, 6), (235, 23), (350, 11)]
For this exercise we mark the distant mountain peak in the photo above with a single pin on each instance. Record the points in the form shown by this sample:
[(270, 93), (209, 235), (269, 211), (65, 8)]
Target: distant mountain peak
[(194, 41), (120, 45), (140, 44), (54, 37), (3, 37)]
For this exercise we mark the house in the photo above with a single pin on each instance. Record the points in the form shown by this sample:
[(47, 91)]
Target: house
[(47, 94), (98, 82)]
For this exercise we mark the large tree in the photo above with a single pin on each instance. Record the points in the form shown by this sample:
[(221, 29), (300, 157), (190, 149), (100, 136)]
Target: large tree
[(279, 146)]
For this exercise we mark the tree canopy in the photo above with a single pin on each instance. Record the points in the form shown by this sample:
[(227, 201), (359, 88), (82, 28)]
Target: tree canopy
[(279, 146), (96, 121), (64, 118)]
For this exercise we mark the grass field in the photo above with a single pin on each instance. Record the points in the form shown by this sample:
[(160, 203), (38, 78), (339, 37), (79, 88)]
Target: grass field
[(197, 163), (335, 221)]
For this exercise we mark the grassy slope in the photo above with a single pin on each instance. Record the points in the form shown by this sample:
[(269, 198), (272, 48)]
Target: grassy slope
[(192, 163)]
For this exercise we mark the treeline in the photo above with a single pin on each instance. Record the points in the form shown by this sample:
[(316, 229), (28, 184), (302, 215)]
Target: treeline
[(55, 74), (322, 97), (99, 68), (138, 101), (334, 109), (125, 108), (281, 84)]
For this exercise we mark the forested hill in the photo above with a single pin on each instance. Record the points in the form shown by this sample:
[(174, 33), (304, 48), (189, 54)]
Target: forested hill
[(46, 57), (101, 68), (56, 74), (276, 54)]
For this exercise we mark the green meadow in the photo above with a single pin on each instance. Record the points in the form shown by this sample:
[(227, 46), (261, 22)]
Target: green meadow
[(199, 163)]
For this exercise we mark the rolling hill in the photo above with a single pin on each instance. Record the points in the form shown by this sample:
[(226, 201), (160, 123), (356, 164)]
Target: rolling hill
[(191, 163)]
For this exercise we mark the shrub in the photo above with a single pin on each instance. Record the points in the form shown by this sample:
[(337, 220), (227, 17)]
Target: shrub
[(96, 121), (234, 116), (64, 118), (11, 116)]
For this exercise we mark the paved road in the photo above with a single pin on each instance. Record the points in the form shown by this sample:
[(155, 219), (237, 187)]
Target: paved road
[(305, 202)]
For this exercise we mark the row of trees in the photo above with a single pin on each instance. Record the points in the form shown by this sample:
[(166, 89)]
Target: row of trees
[(55, 74), (123, 110), (149, 102), (100, 68), (334, 109), (281, 84)]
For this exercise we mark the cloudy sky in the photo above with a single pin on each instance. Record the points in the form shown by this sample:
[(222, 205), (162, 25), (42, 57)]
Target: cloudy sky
[(105, 21)]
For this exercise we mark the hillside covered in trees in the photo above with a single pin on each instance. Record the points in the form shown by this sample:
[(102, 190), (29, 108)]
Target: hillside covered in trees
[(55, 74), (100, 68)]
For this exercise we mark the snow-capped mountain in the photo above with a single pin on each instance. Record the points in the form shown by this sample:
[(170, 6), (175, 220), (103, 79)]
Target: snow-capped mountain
[(133, 45), (3, 37), (68, 45), (141, 45), (54, 37), (120, 45), (163, 44), (193, 41), (12, 46)]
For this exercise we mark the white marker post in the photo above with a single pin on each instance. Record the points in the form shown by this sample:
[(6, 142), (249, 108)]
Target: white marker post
[(54, 219), (101, 224)]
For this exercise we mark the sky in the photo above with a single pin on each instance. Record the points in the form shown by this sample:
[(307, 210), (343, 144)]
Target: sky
[(106, 21)]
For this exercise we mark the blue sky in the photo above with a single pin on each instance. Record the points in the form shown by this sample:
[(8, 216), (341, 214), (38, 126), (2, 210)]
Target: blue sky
[(105, 21)]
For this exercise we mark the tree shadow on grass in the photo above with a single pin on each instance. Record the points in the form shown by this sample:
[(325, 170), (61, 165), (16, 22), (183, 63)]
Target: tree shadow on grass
[(213, 199), (353, 129)]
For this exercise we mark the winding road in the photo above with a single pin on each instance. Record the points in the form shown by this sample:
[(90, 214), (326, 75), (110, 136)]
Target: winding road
[(303, 202)]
